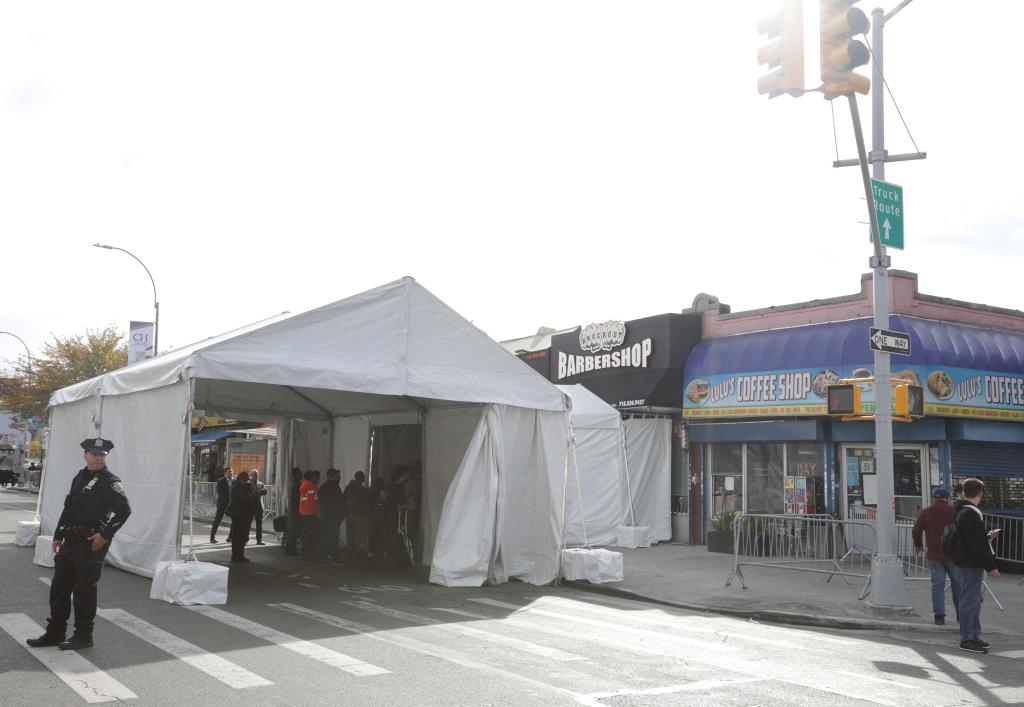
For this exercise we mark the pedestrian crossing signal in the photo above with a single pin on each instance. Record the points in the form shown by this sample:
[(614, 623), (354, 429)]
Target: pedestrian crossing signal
[(909, 400), (844, 399)]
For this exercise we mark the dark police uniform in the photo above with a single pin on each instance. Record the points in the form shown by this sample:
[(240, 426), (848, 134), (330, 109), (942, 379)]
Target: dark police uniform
[(96, 504)]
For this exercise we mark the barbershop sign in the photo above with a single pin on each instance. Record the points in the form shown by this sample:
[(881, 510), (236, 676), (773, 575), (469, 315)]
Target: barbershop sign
[(601, 349)]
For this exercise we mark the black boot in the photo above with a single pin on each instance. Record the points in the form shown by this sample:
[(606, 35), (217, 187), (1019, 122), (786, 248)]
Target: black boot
[(78, 640), (47, 639)]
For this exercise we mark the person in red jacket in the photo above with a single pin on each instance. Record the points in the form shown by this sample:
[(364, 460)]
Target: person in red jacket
[(309, 513), (931, 521)]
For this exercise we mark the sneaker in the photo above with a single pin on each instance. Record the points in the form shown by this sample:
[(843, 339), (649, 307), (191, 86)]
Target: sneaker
[(973, 647), (983, 644), (77, 642), (940, 619), (241, 560), (260, 542)]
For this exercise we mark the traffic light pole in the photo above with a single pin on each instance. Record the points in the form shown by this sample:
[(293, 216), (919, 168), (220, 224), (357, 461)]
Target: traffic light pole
[(888, 590)]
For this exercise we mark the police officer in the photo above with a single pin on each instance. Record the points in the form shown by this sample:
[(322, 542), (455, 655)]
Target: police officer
[(95, 509)]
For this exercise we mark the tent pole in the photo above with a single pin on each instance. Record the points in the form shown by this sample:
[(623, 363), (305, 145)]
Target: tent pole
[(629, 484), (579, 487), (189, 407)]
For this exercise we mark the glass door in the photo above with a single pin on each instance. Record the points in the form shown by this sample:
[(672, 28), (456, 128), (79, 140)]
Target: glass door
[(860, 487)]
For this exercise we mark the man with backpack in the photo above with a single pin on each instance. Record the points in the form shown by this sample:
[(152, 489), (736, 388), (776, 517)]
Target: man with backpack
[(931, 521), (973, 555)]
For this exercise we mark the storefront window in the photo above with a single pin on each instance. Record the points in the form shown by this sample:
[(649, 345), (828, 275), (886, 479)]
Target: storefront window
[(765, 486), (726, 464), (862, 482), (805, 478)]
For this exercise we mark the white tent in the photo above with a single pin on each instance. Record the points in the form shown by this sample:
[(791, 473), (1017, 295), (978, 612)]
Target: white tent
[(594, 500), (330, 375), (619, 472)]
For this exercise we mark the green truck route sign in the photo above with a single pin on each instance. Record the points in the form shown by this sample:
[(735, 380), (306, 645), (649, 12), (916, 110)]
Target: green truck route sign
[(889, 212)]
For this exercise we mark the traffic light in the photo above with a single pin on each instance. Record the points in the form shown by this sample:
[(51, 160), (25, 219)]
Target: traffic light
[(785, 53), (909, 400), (844, 399), (840, 54)]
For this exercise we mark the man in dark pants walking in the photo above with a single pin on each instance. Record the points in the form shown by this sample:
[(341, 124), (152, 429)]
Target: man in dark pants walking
[(927, 535), (332, 512), (973, 555), (223, 496), (94, 510)]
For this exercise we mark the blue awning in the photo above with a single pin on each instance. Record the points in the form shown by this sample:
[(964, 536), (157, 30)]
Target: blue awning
[(845, 344), (203, 438)]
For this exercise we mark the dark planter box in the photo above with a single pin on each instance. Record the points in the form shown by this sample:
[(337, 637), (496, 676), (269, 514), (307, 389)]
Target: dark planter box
[(720, 542)]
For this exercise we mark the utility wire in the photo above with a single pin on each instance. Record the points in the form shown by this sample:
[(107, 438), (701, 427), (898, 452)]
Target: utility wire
[(881, 71)]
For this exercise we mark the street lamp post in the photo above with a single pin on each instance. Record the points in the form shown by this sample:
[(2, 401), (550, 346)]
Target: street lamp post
[(156, 302), (28, 353)]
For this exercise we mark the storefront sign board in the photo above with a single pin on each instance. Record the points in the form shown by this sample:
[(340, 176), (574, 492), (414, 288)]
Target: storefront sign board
[(948, 392)]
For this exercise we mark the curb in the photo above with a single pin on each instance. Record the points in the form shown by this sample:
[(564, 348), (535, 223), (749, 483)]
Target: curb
[(766, 615), (22, 490)]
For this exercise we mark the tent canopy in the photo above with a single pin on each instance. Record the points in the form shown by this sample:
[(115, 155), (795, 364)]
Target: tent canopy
[(393, 349), (589, 411)]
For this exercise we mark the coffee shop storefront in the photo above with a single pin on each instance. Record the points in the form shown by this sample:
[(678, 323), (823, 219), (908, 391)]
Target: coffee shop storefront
[(761, 441)]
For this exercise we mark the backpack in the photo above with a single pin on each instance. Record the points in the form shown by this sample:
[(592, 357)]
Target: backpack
[(949, 537)]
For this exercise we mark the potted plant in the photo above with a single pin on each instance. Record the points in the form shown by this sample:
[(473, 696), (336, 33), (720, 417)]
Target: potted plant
[(720, 537)]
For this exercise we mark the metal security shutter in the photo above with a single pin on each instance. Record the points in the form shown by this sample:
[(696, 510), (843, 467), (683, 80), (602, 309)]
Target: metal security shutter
[(987, 459)]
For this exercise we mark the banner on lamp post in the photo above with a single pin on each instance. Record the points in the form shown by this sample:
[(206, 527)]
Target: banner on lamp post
[(140, 341)]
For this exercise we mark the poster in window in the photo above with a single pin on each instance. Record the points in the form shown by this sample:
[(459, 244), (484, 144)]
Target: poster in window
[(870, 489)]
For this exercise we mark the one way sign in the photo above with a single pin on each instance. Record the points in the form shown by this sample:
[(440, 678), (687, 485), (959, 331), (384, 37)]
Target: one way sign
[(896, 342)]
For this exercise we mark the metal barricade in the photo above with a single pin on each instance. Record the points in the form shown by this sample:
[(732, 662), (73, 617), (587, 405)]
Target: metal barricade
[(805, 543), (204, 499)]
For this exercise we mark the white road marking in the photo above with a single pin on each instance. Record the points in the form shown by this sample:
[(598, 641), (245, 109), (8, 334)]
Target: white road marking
[(307, 584), (729, 663), (804, 635), (507, 641), (309, 649), (46, 580), (1009, 654), (884, 681), (669, 621), (93, 684), (669, 689), (213, 665), (429, 649)]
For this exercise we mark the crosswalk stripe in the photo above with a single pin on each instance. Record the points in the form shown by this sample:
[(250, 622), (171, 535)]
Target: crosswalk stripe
[(93, 684), (213, 665), (670, 622), (804, 635), (45, 580), (309, 649), (708, 657), (507, 641), (430, 649)]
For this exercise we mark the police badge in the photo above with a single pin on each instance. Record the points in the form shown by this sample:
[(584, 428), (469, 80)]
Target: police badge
[(118, 487)]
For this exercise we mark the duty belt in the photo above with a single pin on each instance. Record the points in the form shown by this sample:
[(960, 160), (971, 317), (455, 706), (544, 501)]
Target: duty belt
[(76, 533)]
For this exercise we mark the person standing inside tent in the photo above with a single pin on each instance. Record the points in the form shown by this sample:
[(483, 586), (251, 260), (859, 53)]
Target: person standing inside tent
[(259, 490), (309, 509), (359, 507), (240, 509), (94, 510), (332, 512), (294, 518), (223, 498)]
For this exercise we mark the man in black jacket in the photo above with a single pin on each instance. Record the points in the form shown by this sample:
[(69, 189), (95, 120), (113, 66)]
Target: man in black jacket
[(223, 496), (94, 510), (332, 512), (972, 553)]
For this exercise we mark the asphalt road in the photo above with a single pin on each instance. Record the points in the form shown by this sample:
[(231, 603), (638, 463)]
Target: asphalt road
[(293, 633)]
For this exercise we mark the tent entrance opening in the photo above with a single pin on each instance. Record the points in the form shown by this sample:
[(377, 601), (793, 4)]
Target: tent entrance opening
[(396, 466)]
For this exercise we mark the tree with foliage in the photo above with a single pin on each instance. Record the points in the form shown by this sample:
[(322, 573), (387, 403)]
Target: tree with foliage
[(63, 362)]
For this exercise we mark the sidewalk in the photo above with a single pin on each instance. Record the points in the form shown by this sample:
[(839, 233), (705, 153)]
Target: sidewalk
[(690, 577)]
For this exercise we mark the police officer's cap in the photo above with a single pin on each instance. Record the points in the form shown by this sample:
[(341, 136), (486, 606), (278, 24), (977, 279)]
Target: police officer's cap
[(97, 445)]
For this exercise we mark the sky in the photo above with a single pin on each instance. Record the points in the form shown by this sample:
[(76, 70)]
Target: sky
[(548, 163)]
